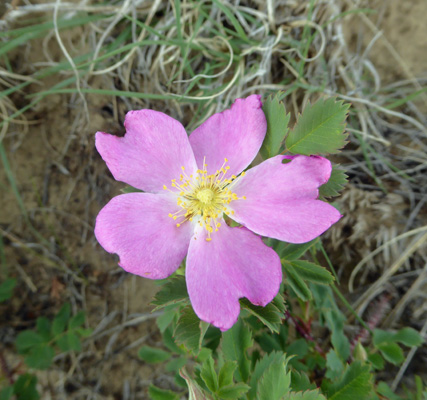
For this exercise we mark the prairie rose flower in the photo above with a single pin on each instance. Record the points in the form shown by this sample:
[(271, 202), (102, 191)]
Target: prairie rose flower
[(189, 184)]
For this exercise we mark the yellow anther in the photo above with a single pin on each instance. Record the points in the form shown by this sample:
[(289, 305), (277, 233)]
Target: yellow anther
[(165, 187), (204, 198)]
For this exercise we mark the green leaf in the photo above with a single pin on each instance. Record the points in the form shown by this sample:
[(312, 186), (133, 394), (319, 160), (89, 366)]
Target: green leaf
[(153, 355), (376, 360), (165, 319), (43, 326), (334, 365), (25, 387), (308, 395), (194, 390), (172, 292), (336, 183), (233, 391), (296, 283), (274, 382), (277, 126), (226, 373), (69, 341), (319, 129), (176, 364), (156, 393), (409, 337), (291, 251), (40, 357), (83, 332), (6, 393), (391, 352), (274, 358), (190, 330), (6, 289), (356, 383), (77, 320), (312, 272), (61, 319), (300, 381), (269, 315), (235, 342), (386, 391), (381, 336), (209, 375), (130, 189), (169, 341), (27, 340)]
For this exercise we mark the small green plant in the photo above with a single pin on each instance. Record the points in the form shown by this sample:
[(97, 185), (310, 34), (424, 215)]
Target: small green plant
[(39, 346)]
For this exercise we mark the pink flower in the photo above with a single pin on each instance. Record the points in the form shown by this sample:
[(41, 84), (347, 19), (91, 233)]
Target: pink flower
[(189, 184)]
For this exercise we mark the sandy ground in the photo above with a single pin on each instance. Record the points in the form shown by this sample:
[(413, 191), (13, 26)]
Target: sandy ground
[(64, 183)]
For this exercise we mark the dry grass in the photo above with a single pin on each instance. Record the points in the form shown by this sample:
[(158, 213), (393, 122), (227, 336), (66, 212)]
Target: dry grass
[(191, 59)]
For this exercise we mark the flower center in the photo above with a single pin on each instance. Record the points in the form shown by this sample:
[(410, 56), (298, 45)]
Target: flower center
[(204, 198), (205, 195)]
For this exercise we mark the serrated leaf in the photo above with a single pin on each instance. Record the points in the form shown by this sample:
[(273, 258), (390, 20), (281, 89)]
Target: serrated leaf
[(25, 387), (226, 373), (274, 382), (319, 129), (291, 251), (296, 283), (172, 292), (209, 376), (40, 357), (190, 330), (308, 395), (235, 342), (77, 320), (334, 365), (61, 319), (156, 393), (391, 352), (273, 358), (269, 315), (195, 392), (233, 391), (27, 340), (336, 183), (356, 383), (69, 341), (153, 355), (6, 289), (277, 126), (43, 326), (409, 337), (311, 272), (166, 318), (300, 381)]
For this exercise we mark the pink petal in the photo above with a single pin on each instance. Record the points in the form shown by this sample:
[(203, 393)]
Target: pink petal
[(281, 199), (150, 154), (136, 226), (234, 264), (236, 134)]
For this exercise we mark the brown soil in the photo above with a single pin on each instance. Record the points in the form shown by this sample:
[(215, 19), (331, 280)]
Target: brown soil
[(63, 183)]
